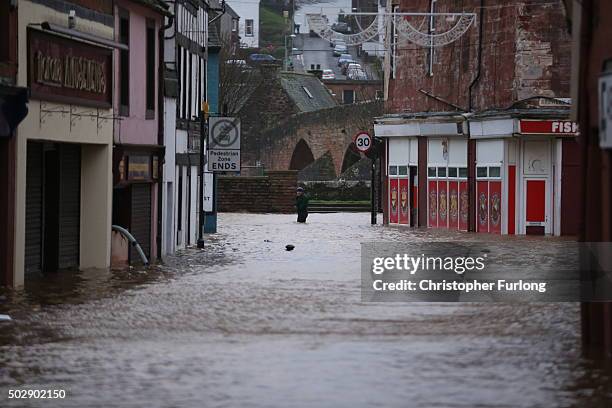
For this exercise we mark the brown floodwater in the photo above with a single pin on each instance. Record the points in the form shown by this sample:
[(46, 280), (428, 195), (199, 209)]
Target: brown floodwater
[(245, 323)]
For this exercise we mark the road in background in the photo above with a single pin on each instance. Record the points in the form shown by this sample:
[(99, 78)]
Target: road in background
[(315, 51)]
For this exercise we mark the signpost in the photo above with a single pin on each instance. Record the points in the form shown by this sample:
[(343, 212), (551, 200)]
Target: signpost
[(224, 144), (363, 141)]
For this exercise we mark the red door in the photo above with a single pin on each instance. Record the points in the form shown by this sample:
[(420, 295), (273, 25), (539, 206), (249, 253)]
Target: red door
[(404, 201), (482, 206), (464, 207), (536, 207), (453, 204), (442, 204), (393, 201), (495, 202), (432, 206)]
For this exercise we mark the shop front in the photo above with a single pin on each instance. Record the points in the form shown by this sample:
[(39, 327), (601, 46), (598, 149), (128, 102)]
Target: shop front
[(63, 149), (526, 175), (425, 170), (136, 178)]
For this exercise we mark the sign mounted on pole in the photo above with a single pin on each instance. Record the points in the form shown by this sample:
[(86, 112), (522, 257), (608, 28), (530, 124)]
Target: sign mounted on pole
[(605, 111), (224, 144), (363, 141)]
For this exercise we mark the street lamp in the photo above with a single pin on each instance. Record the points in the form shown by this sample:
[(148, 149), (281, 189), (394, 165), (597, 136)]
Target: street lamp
[(286, 54)]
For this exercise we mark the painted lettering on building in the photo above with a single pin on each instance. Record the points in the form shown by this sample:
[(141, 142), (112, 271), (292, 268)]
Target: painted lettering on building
[(69, 71)]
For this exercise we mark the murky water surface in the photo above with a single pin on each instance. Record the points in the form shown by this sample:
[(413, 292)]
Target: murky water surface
[(245, 323)]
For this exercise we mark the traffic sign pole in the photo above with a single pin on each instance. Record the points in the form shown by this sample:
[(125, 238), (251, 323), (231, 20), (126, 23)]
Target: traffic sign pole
[(203, 137)]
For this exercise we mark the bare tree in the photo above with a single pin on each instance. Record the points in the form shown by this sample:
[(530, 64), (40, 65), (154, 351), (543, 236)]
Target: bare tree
[(237, 80)]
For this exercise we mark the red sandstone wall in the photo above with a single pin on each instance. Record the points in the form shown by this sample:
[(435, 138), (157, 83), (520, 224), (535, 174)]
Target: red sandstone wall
[(525, 52), (272, 193)]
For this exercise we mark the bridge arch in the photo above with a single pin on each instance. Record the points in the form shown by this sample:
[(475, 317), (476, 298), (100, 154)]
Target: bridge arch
[(302, 156)]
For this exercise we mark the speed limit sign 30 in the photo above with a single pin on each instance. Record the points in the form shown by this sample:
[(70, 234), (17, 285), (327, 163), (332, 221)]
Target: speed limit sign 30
[(363, 141)]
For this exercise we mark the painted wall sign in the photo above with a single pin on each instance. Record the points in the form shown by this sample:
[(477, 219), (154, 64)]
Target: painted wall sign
[(208, 191), (554, 127), (68, 71), (139, 167)]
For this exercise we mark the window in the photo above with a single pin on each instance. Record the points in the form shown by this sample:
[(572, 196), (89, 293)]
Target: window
[(495, 172), (403, 170), (431, 172), (452, 172), (124, 64), (463, 173), (248, 28), (481, 172), (307, 92), (348, 96), (441, 171), (234, 24), (393, 170), (150, 69)]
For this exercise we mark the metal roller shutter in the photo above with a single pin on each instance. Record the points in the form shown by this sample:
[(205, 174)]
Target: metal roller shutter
[(69, 206), (34, 203), (141, 219)]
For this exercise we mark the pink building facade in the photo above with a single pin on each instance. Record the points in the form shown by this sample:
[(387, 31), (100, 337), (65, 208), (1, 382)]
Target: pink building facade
[(138, 140)]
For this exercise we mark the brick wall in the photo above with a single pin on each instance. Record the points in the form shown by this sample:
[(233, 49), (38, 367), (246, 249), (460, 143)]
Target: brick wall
[(525, 52), (272, 193)]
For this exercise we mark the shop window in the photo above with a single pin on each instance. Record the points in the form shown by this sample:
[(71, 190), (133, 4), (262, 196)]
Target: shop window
[(481, 172), (452, 172), (124, 64), (248, 28), (495, 172), (403, 170), (431, 172), (441, 171), (150, 69), (463, 172), (393, 170)]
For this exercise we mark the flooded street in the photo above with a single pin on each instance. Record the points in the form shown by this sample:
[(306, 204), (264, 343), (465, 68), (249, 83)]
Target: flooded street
[(245, 323)]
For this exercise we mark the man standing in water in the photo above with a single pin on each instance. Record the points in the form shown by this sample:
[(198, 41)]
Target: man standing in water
[(301, 203)]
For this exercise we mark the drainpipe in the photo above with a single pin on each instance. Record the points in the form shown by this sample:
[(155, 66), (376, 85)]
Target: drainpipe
[(471, 153), (160, 135)]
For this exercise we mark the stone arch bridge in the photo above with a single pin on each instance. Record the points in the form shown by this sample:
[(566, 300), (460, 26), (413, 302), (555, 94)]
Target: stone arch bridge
[(319, 144)]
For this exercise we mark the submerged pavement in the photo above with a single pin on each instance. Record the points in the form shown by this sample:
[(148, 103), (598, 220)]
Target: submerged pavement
[(246, 323)]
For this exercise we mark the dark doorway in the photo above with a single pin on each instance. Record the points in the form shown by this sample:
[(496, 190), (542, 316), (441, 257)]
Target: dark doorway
[(302, 156)]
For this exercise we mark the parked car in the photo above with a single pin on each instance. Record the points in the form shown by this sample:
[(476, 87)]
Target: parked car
[(328, 74), (356, 74), (341, 28), (343, 58), (344, 68), (337, 39), (261, 58), (340, 49)]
